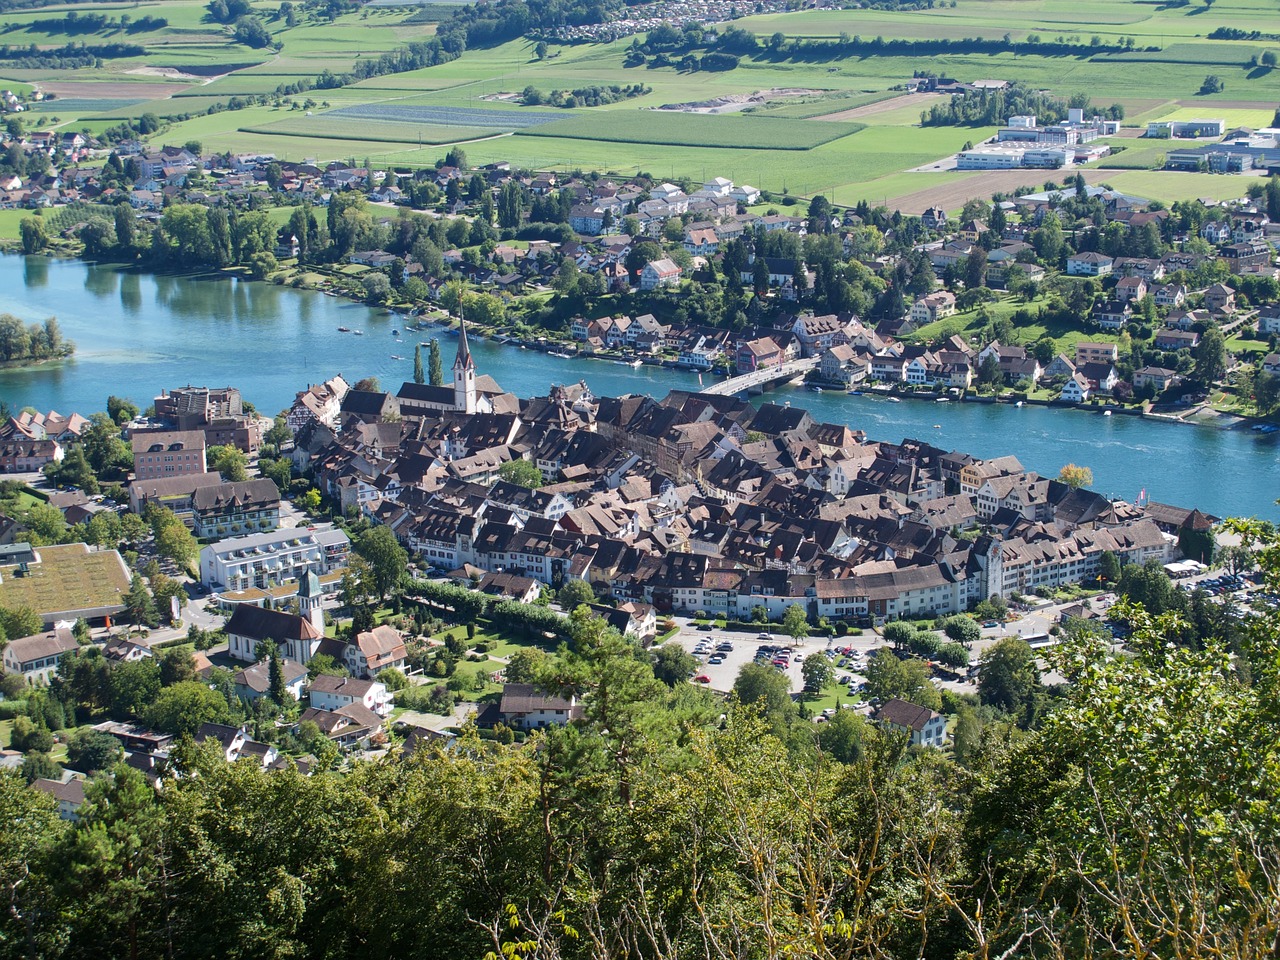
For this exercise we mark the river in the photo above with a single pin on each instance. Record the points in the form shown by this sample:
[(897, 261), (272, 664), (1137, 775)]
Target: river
[(137, 333)]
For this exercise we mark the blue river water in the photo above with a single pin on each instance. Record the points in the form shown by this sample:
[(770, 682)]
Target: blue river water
[(137, 333)]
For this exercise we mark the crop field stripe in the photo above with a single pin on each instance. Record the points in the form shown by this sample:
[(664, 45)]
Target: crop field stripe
[(373, 131), (449, 116), (695, 130)]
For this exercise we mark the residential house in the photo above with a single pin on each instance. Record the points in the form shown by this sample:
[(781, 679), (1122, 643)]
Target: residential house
[(924, 727), (1089, 264), (1089, 351), (1158, 377), (1170, 295), (1271, 364), (843, 365), (68, 793), (659, 273), (334, 693), (162, 454), (37, 657), (523, 707), (1176, 339), (228, 509), (935, 306), (1269, 319), (255, 681), (1220, 298), (1076, 389), (1112, 314), (373, 651), (275, 557), (758, 354), (1130, 289)]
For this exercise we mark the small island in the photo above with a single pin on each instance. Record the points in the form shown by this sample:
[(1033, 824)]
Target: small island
[(22, 344)]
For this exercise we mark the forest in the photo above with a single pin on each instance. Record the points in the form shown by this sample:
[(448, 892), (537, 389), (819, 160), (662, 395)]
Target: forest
[(1130, 813)]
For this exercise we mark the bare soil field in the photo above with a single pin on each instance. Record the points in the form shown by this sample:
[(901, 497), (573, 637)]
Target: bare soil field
[(983, 183), (883, 106), (111, 89)]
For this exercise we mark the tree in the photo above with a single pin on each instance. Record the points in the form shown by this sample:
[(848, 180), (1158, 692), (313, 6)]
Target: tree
[(575, 592), (1236, 559), (795, 622), (27, 736), (276, 688), (139, 606), (34, 237), (38, 765), (844, 737), (766, 688), (132, 687), (436, 365), (90, 750), (1075, 477), (889, 678), (672, 664), (386, 558), (1212, 84), (526, 665), (817, 672), (962, 629), (1211, 357), (524, 473), (1109, 567), (899, 634), (183, 707), (1009, 680), (419, 375), (20, 621), (120, 409), (377, 287), (229, 461), (540, 50)]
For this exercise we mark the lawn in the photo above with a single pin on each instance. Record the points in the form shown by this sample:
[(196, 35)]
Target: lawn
[(67, 580)]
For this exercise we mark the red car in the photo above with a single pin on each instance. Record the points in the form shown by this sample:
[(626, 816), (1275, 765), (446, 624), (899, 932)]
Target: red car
[(702, 678)]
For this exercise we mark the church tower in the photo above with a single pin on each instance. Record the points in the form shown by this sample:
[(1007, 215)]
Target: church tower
[(310, 596), (464, 373)]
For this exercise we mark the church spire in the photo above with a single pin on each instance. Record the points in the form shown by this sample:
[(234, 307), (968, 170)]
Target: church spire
[(463, 360)]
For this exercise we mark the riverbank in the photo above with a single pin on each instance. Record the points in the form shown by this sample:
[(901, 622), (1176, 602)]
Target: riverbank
[(424, 318)]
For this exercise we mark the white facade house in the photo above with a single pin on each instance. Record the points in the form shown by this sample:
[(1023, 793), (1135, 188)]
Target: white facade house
[(334, 693), (274, 557)]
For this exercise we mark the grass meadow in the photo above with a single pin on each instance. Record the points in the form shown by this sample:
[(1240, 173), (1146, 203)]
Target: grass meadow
[(409, 119)]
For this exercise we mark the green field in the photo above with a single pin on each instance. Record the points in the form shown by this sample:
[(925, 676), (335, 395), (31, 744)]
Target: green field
[(692, 130), (370, 131), (407, 118)]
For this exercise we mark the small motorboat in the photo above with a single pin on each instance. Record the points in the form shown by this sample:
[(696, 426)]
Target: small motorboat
[(396, 356), (1106, 413), (942, 400), (1018, 404), (344, 329), (395, 333), (816, 389), (358, 333), (855, 393), (894, 400), (637, 364)]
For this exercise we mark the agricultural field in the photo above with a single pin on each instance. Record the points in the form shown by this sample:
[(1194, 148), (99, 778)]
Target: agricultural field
[(691, 130), (853, 136), (370, 131)]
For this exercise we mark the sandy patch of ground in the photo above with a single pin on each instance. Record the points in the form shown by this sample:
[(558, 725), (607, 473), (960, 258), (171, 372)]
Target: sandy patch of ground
[(733, 102), (881, 106), (983, 183), (169, 73)]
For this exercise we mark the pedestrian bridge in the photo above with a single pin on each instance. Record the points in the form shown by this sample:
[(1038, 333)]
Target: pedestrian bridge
[(760, 380)]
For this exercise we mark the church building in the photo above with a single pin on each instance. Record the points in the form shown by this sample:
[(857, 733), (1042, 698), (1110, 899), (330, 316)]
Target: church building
[(469, 393)]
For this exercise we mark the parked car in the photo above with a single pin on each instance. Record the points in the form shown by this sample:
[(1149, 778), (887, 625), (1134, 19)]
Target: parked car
[(702, 678)]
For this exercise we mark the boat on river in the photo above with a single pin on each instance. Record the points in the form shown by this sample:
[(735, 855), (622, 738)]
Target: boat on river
[(344, 329)]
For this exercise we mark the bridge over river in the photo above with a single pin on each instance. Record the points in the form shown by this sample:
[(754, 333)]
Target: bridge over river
[(760, 380)]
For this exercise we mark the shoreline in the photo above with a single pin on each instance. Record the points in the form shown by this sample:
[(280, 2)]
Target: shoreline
[(1217, 420)]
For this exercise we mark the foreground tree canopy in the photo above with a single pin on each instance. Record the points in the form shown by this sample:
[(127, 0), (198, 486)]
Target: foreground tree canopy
[(1135, 818)]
